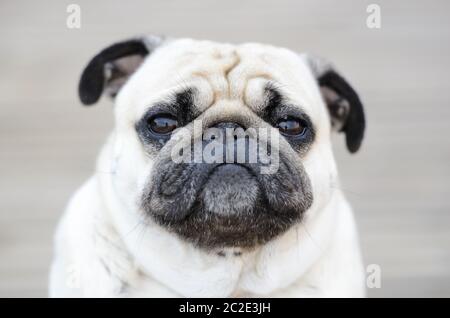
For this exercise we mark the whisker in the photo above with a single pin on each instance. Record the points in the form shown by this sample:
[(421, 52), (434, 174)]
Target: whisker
[(310, 236), (136, 226), (141, 234), (347, 191), (105, 172)]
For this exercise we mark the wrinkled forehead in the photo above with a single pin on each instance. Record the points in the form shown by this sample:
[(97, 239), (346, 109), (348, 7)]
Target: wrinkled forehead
[(217, 71)]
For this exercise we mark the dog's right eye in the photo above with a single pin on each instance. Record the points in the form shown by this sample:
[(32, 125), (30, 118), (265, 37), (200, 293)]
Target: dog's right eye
[(162, 124)]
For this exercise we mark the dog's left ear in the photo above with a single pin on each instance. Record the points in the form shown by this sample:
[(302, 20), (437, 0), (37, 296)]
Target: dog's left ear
[(344, 106), (111, 68)]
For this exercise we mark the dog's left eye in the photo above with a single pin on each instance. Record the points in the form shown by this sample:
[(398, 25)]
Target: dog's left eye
[(162, 124), (291, 127)]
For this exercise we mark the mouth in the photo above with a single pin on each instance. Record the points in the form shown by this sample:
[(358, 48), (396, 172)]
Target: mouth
[(226, 205), (231, 189)]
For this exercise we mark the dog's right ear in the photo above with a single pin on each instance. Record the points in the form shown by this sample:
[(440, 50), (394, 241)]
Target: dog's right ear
[(111, 68), (344, 105)]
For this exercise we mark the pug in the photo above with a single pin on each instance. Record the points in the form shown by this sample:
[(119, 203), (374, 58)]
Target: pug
[(218, 179)]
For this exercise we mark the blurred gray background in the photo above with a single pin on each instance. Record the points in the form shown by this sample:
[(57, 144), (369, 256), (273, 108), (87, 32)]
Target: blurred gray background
[(398, 183)]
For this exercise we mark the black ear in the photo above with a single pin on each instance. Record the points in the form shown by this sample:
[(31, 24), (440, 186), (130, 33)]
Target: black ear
[(344, 106), (110, 68)]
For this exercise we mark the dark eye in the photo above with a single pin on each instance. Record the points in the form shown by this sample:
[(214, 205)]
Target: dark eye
[(162, 124), (291, 127)]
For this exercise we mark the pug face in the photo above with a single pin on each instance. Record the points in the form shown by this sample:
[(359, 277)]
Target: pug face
[(221, 145)]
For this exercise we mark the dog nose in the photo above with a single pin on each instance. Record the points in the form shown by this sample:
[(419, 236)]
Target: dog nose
[(233, 140), (225, 131), (228, 124)]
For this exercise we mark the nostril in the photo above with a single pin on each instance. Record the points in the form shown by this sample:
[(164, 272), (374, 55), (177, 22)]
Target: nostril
[(222, 125)]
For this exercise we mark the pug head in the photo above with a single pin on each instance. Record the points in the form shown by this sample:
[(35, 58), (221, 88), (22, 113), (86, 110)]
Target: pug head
[(223, 145)]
